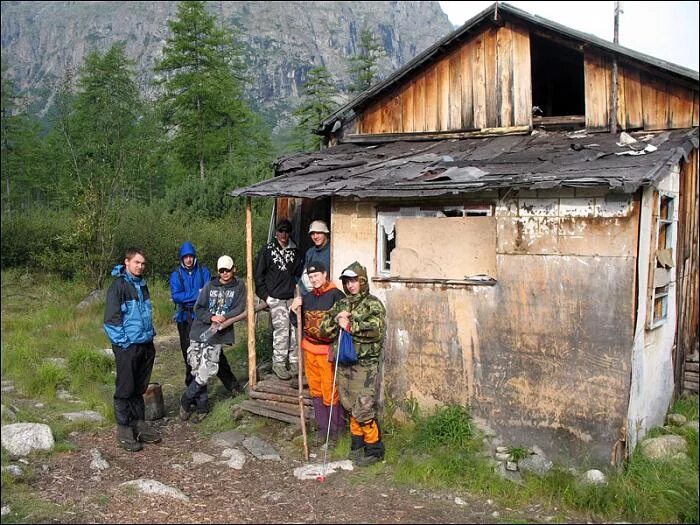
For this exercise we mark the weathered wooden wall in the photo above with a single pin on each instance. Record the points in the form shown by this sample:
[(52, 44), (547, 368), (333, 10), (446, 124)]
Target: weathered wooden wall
[(544, 355), (485, 83), (688, 280), (645, 101)]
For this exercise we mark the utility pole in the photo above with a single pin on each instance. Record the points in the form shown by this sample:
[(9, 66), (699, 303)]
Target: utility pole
[(614, 86)]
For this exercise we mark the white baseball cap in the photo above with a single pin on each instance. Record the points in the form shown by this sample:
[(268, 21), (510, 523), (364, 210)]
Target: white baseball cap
[(224, 262), (348, 273), (318, 226)]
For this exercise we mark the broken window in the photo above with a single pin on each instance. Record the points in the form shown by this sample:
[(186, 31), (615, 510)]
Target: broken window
[(557, 80), (661, 278), (436, 242)]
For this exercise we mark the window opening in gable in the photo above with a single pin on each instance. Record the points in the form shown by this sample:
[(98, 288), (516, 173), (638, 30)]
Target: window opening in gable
[(558, 87)]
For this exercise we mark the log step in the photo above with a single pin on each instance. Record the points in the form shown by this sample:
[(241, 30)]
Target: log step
[(264, 409), (280, 398)]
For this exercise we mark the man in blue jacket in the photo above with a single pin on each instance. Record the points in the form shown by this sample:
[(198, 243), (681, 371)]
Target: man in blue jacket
[(185, 283), (128, 323)]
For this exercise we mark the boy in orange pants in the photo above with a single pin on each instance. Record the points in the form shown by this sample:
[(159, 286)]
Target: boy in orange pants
[(319, 371)]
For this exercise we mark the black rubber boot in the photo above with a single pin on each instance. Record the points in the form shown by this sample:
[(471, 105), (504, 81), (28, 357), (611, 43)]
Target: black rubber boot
[(374, 452), (357, 448), (145, 433), (125, 438)]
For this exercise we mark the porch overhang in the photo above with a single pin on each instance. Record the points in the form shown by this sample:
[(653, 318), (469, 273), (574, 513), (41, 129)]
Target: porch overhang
[(444, 167)]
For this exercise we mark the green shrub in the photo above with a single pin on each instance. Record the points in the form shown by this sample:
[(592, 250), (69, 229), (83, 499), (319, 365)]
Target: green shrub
[(45, 380), (39, 240), (87, 365), (450, 425)]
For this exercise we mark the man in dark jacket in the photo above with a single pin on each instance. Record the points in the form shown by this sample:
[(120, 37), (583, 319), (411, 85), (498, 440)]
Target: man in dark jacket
[(128, 323), (185, 283), (278, 267), (221, 298)]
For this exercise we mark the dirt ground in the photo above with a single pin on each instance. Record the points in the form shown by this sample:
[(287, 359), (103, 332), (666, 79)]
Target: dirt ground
[(263, 491)]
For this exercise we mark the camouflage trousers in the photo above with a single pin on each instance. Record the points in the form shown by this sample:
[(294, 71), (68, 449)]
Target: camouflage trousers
[(204, 360), (357, 386), (284, 334)]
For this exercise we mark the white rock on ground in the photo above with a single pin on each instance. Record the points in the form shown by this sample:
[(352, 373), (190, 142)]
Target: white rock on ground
[(261, 449), (14, 470), (5, 510), (98, 462), (85, 415), (199, 458), (594, 477), (19, 439), (151, 486), (314, 470), (676, 419), (235, 458)]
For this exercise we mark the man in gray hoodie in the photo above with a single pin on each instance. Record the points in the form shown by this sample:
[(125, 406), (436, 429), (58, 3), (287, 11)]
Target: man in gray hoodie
[(221, 298)]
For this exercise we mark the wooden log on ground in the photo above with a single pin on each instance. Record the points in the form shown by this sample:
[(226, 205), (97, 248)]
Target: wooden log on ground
[(266, 412), (279, 398), (285, 408), (273, 388)]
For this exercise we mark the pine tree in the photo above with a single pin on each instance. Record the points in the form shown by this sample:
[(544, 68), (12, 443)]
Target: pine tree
[(202, 104), (363, 66), (318, 102), (21, 160), (102, 149)]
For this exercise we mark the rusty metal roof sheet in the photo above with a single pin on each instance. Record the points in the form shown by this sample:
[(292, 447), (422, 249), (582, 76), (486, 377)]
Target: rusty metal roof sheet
[(541, 160)]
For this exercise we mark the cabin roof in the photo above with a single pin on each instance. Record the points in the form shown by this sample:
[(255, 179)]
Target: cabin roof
[(473, 26), (540, 160)]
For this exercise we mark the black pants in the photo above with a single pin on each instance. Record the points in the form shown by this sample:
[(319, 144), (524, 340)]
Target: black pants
[(225, 374), (134, 367)]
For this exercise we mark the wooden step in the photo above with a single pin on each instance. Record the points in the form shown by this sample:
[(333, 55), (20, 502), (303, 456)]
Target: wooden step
[(266, 410), (292, 400)]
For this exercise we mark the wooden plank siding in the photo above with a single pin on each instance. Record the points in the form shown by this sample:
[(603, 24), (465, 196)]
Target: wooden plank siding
[(645, 101), (484, 83), (687, 264)]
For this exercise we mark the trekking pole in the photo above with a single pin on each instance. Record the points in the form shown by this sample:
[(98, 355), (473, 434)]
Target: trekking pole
[(300, 354), (322, 476)]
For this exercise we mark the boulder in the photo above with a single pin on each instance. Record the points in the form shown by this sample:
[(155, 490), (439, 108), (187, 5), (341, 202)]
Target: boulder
[(663, 447), (98, 462), (93, 298), (594, 477), (536, 464), (19, 439), (676, 419)]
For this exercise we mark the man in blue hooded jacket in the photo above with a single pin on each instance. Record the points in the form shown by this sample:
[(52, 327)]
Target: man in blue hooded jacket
[(128, 323), (185, 283)]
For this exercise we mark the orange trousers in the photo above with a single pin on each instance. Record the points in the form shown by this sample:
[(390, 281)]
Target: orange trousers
[(319, 375), (369, 431)]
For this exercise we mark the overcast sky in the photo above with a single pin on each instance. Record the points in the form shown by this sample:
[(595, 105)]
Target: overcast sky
[(665, 30)]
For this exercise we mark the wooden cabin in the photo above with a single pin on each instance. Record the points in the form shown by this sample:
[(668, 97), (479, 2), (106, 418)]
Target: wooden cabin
[(525, 199)]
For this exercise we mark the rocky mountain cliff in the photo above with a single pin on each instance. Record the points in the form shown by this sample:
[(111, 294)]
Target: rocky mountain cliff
[(282, 40)]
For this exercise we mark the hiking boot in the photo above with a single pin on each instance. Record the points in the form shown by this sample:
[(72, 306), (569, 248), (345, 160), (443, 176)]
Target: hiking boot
[(293, 369), (146, 433), (125, 438), (198, 417), (281, 371), (356, 454), (185, 413), (366, 461)]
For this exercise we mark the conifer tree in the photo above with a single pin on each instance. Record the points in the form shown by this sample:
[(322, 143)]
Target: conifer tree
[(363, 66), (202, 104), (102, 148), (318, 102)]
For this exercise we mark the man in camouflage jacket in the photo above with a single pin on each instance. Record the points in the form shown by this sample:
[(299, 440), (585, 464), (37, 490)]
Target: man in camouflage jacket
[(363, 316)]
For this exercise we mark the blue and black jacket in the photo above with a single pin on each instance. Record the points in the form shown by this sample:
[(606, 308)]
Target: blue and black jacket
[(128, 313), (185, 284)]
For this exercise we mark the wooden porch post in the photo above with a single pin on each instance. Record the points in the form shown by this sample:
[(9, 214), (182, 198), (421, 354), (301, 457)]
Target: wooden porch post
[(249, 285)]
